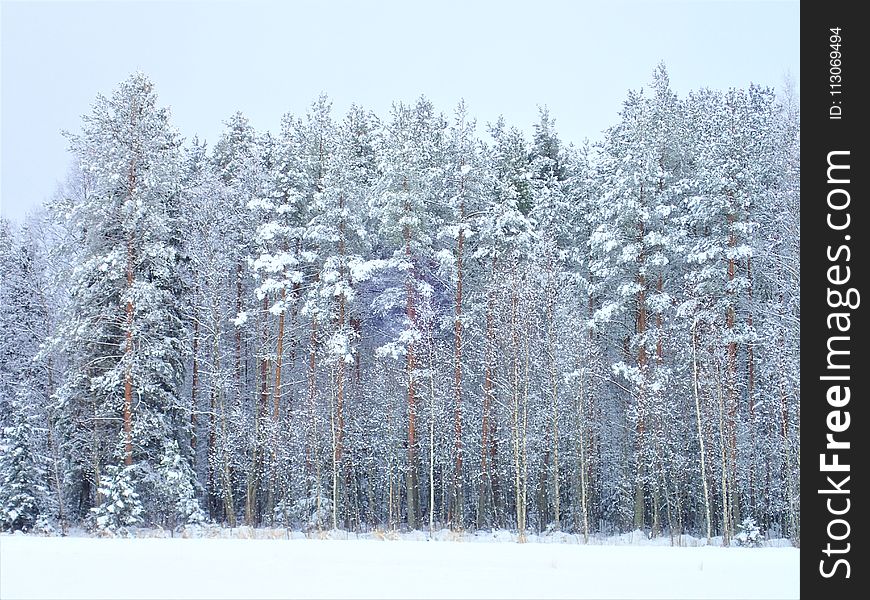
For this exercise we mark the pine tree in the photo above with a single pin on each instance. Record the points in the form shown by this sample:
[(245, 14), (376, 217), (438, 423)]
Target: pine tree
[(239, 160), (464, 185), (338, 229), (409, 168), (635, 249), (123, 329)]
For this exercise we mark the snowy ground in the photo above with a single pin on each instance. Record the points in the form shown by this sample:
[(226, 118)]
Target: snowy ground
[(80, 567)]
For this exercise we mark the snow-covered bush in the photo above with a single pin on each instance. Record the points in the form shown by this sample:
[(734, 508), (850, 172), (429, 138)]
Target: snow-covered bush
[(748, 534), (172, 483), (312, 513), (121, 506), (147, 494)]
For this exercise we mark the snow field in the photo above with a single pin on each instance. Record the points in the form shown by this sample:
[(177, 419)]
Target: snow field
[(46, 567)]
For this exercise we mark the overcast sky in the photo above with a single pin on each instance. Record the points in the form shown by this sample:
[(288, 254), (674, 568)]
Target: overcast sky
[(209, 59)]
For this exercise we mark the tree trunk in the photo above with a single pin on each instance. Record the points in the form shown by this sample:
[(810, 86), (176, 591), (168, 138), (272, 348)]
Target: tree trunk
[(128, 364), (554, 393), (640, 426), (95, 456), (257, 459), (457, 386), (750, 360), (581, 442), (412, 488), (211, 458), (723, 451), (333, 426), (659, 320), (276, 403), (519, 420), (431, 436), (54, 450), (229, 503), (793, 523), (238, 369), (485, 494), (264, 360), (128, 333), (311, 468), (128, 351), (731, 379), (525, 436), (697, 394), (664, 486), (339, 377), (194, 386), (219, 410)]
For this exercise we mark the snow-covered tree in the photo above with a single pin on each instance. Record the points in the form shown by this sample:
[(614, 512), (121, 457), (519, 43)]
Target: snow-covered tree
[(121, 506), (123, 330), (171, 489), (402, 208), (748, 534), (635, 252), (22, 477)]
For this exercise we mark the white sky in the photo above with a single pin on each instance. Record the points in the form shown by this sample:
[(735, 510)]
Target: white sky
[(209, 59)]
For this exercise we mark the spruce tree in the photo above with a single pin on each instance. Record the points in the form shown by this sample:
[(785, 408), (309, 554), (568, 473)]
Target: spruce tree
[(22, 488)]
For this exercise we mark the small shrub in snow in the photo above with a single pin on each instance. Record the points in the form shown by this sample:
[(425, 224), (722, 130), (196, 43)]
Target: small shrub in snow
[(121, 507), (748, 534), (172, 482), (312, 513)]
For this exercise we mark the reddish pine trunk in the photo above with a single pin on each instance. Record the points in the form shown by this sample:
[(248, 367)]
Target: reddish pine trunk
[(659, 351), (641, 298), (411, 312), (641, 322), (128, 346), (279, 350), (639, 504), (128, 376)]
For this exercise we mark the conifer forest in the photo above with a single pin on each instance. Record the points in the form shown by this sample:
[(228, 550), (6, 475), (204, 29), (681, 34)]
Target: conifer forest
[(410, 321)]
